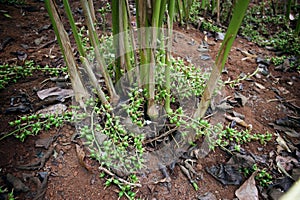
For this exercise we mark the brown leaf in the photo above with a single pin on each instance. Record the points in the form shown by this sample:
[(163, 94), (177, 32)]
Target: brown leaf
[(81, 156), (248, 190), (54, 91)]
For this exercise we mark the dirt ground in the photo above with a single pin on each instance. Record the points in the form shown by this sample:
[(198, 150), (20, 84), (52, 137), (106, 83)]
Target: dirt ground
[(67, 178)]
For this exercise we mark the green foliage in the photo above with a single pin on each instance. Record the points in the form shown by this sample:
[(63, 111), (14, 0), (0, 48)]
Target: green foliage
[(208, 26), (33, 124), (12, 73), (135, 106), (220, 136), (263, 177), (124, 189), (10, 195), (121, 149), (194, 16), (196, 19), (278, 60), (103, 11), (230, 135), (181, 75), (267, 29)]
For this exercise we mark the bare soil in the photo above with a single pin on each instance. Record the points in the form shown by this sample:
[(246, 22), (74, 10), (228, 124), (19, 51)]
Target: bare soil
[(68, 179)]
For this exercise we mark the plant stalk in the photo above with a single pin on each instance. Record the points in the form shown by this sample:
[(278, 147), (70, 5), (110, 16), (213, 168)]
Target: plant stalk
[(171, 10), (238, 13), (62, 37), (100, 60)]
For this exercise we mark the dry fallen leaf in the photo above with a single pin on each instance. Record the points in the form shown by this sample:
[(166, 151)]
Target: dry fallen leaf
[(248, 190), (282, 143), (239, 121), (286, 162), (54, 91), (81, 156)]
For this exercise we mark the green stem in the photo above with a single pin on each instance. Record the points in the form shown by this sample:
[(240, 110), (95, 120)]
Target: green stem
[(65, 46), (143, 37), (115, 29), (100, 60), (152, 111), (179, 9), (133, 48), (126, 39), (288, 9), (168, 55), (93, 80), (238, 13), (298, 25), (74, 28), (92, 10)]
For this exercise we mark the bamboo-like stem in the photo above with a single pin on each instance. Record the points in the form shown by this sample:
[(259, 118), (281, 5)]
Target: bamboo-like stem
[(171, 9), (213, 6), (93, 80), (218, 11), (151, 110), (162, 13), (288, 9), (127, 48), (74, 28), (100, 61), (131, 31), (92, 10), (204, 6), (121, 36), (116, 31), (239, 11), (297, 30), (80, 91), (143, 37), (179, 8)]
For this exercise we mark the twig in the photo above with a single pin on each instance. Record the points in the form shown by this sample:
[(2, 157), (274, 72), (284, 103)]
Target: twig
[(272, 100), (42, 189), (46, 44), (160, 136), (234, 82), (120, 179)]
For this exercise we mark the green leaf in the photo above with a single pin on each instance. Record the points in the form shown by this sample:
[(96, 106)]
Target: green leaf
[(7, 15)]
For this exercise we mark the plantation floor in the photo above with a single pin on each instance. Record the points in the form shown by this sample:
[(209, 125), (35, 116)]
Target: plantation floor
[(70, 178)]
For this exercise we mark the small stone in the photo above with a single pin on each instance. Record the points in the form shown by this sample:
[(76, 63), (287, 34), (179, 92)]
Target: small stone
[(202, 49), (263, 61), (239, 115), (67, 134), (260, 148), (207, 196), (75, 173), (192, 42), (258, 76), (283, 90), (205, 57), (24, 46), (263, 69), (219, 36), (260, 86), (38, 41)]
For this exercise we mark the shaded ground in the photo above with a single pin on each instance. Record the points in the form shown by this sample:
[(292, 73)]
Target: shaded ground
[(68, 179)]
